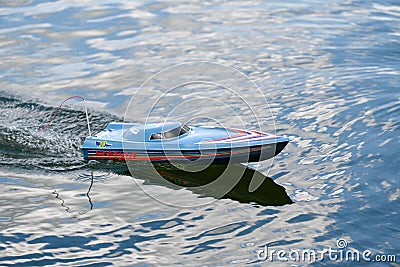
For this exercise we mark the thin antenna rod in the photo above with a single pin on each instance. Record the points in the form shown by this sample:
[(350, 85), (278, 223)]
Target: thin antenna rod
[(87, 117)]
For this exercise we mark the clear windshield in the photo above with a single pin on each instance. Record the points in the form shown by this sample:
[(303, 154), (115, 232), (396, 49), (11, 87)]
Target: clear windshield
[(171, 133)]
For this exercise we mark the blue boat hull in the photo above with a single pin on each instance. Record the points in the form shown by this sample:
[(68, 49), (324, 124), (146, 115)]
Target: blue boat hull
[(221, 156), (201, 145)]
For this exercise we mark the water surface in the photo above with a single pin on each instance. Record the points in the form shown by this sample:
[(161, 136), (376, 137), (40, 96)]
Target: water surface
[(330, 71)]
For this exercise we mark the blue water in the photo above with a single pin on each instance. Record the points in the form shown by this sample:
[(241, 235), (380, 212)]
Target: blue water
[(330, 71)]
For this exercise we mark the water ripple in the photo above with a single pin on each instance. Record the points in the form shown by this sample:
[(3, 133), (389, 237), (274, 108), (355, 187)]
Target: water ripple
[(330, 72)]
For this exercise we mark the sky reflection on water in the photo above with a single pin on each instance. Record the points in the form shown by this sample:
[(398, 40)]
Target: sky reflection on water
[(330, 71)]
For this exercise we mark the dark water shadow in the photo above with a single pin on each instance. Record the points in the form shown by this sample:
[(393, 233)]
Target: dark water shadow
[(268, 193)]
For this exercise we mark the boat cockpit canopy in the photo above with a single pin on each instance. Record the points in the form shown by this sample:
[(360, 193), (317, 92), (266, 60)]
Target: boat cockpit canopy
[(156, 131), (180, 130)]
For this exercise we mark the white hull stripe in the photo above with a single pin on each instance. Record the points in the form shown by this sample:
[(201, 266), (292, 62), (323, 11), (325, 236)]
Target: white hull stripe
[(246, 136)]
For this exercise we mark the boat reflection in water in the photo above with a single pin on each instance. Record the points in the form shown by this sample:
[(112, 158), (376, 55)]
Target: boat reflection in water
[(233, 181), (202, 182)]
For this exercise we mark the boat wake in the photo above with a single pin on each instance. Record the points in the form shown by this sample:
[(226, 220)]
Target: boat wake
[(25, 144)]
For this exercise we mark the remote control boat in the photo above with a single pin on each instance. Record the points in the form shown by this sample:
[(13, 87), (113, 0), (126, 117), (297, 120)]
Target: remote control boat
[(172, 141)]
